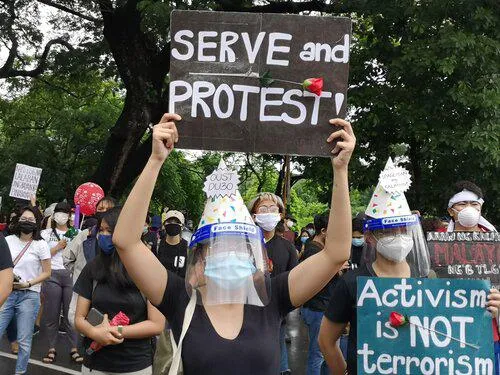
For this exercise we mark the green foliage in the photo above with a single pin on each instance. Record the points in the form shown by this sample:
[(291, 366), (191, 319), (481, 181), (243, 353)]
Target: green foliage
[(59, 125)]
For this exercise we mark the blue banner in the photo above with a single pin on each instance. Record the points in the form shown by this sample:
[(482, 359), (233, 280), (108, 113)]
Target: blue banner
[(438, 326)]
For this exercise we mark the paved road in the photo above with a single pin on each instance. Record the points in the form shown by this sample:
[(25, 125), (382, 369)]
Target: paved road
[(297, 353)]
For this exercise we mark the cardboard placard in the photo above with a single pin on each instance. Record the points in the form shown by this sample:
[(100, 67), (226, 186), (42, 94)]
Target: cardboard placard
[(25, 181), (466, 255), (216, 61), (450, 330)]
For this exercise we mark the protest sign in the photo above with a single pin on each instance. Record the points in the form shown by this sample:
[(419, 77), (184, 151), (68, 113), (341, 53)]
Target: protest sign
[(466, 255), (235, 78), (448, 330), (25, 181)]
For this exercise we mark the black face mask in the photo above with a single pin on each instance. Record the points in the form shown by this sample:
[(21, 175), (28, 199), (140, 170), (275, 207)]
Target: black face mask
[(172, 229), (26, 227)]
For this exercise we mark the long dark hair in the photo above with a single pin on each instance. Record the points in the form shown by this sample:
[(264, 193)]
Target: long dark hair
[(109, 268), (36, 234)]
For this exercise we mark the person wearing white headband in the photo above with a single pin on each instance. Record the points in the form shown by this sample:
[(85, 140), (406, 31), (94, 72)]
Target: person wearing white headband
[(465, 209)]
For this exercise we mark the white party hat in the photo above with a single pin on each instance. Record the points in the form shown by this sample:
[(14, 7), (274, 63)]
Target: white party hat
[(389, 199), (224, 202)]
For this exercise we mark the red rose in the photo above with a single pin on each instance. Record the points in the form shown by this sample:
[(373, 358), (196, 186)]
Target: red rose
[(397, 319), (314, 85)]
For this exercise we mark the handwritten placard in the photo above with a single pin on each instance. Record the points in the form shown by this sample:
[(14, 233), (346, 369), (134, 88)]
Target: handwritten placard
[(25, 181), (448, 330), (466, 255), (221, 183), (236, 80)]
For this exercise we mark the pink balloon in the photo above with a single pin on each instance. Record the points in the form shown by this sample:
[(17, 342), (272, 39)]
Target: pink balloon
[(87, 195)]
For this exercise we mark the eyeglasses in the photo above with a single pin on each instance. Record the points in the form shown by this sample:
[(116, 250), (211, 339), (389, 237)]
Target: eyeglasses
[(462, 205), (23, 219), (268, 210)]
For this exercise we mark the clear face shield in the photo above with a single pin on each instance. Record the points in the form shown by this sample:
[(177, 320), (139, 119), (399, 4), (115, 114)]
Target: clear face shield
[(228, 264), (398, 239)]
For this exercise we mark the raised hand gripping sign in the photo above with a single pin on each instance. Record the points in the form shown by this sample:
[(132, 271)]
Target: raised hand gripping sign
[(423, 326), (264, 83)]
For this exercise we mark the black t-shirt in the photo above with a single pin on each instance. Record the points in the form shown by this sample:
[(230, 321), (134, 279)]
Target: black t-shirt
[(320, 301), (282, 254), (132, 354), (342, 309), (5, 256), (255, 350), (173, 257), (356, 252), (151, 240)]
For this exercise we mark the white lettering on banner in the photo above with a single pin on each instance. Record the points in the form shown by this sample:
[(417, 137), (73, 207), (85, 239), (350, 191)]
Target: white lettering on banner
[(404, 295), (205, 95), (387, 364), (313, 51)]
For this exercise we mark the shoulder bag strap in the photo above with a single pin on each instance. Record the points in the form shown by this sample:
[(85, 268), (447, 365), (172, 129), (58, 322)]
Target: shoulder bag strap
[(188, 316), (21, 254)]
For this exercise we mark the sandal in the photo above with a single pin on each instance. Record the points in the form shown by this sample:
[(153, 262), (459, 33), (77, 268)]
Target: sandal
[(75, 357), (50, 357)]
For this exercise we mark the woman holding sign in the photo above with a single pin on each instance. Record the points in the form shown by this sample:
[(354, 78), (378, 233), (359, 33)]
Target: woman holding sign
[(228, 304)]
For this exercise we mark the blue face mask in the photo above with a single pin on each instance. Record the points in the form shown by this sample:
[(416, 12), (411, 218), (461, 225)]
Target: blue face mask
[(358, 242), (230, 271), (304, 239), (105, 242)]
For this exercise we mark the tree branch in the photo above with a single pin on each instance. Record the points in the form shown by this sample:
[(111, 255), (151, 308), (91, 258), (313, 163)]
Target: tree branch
[(8, 71), (68, 10)]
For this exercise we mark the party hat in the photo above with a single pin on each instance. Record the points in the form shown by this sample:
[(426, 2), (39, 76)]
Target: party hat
[(389, 199), (224, 205)]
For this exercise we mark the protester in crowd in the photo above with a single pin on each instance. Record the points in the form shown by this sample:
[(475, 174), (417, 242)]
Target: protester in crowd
[(104, 285), (172, 251), (83, 248), (266, 210), (11, 221), (47, 216), (245, 325), (358, 240), (465, 208), (310, 229), (301, 241), (6, 275), (57, 290), (289, 223), (394, 248), (149, 238), (31, 259), (312, 311)]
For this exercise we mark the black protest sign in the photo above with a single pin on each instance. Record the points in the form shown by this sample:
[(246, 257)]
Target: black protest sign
[(236, 80), (466, 255)]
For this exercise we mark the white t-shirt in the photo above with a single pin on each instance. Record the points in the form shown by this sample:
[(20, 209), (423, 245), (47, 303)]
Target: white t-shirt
[(51, 239), (30, 265)]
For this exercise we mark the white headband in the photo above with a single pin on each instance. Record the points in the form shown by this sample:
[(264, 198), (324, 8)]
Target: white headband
[(464, 196)]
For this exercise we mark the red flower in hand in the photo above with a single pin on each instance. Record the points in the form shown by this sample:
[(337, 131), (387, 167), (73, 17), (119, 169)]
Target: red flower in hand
[(314, 85), (398, 320)]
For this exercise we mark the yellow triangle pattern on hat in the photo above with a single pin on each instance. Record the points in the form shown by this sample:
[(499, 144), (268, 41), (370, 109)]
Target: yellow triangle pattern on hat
[(384, 204), (228, 208)]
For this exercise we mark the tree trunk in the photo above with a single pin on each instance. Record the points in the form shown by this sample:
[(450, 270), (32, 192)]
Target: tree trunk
[(417, 175), (143, 68)]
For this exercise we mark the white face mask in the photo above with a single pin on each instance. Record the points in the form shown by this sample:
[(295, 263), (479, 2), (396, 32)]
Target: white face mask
[(469, 217), (61, 218), (267, 221), (395, 248), (289, 223)]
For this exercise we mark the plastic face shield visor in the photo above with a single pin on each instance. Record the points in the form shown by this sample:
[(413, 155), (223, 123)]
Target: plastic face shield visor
[(387, 230), (228, 264)]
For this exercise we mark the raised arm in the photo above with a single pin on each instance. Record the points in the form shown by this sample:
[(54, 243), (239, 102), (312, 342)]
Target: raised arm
[(142, 265), (310, 276)]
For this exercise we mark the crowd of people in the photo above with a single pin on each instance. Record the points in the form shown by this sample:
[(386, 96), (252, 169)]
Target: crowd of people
[(137, 293)]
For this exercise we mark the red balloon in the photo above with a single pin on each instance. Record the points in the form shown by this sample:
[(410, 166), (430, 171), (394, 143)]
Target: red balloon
[(87, 195)]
